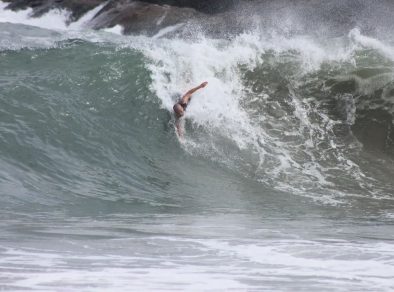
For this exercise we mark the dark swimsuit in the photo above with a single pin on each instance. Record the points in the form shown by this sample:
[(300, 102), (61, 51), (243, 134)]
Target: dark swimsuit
[(183, 105)]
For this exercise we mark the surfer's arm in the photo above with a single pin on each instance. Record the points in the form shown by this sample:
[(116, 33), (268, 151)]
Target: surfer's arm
[(188, 95)]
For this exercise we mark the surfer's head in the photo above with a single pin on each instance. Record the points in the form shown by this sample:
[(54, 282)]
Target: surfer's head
[(179, 111)]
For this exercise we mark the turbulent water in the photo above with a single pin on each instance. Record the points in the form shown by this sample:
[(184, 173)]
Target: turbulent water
[(282, 182)]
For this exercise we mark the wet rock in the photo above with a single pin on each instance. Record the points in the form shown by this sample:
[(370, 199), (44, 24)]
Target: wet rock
[(147, 16), (40, 7), (137, 16), (79, 7), (204, 6)]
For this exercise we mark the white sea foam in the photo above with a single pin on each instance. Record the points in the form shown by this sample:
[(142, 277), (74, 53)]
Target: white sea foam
[(83, 22), (340, 261), (372, 43), (117, 29), (237, 265)]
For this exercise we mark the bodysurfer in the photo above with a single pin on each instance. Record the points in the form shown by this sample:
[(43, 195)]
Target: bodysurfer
[(181, 105)]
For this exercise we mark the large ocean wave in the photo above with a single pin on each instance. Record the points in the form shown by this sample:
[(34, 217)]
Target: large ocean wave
[(296, 114)]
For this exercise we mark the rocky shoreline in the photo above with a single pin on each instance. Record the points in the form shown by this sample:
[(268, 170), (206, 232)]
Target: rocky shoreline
[(134, 16), (223, 17)]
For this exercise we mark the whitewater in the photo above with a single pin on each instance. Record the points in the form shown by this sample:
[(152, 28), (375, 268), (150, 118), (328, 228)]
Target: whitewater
[(282, 182)]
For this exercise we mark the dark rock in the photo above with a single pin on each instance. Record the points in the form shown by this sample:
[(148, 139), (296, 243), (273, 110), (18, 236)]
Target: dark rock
[(204, 6), (147, 16), (79, 7), (40, 7), (137, 16), (222, 17)]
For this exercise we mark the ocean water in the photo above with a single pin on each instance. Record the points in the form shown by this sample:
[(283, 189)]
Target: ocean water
[(282, 182)]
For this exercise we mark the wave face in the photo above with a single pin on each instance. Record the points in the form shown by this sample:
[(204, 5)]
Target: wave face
[(283, 179)]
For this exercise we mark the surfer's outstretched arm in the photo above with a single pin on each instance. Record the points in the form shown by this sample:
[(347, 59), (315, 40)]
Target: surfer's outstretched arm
[(188, 95)]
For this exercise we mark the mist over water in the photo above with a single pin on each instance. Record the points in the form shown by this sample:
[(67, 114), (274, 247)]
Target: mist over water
[(283, 180)]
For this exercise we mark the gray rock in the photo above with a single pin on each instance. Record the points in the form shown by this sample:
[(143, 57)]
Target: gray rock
[(77, 7), (147, 16), (136, 16)]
